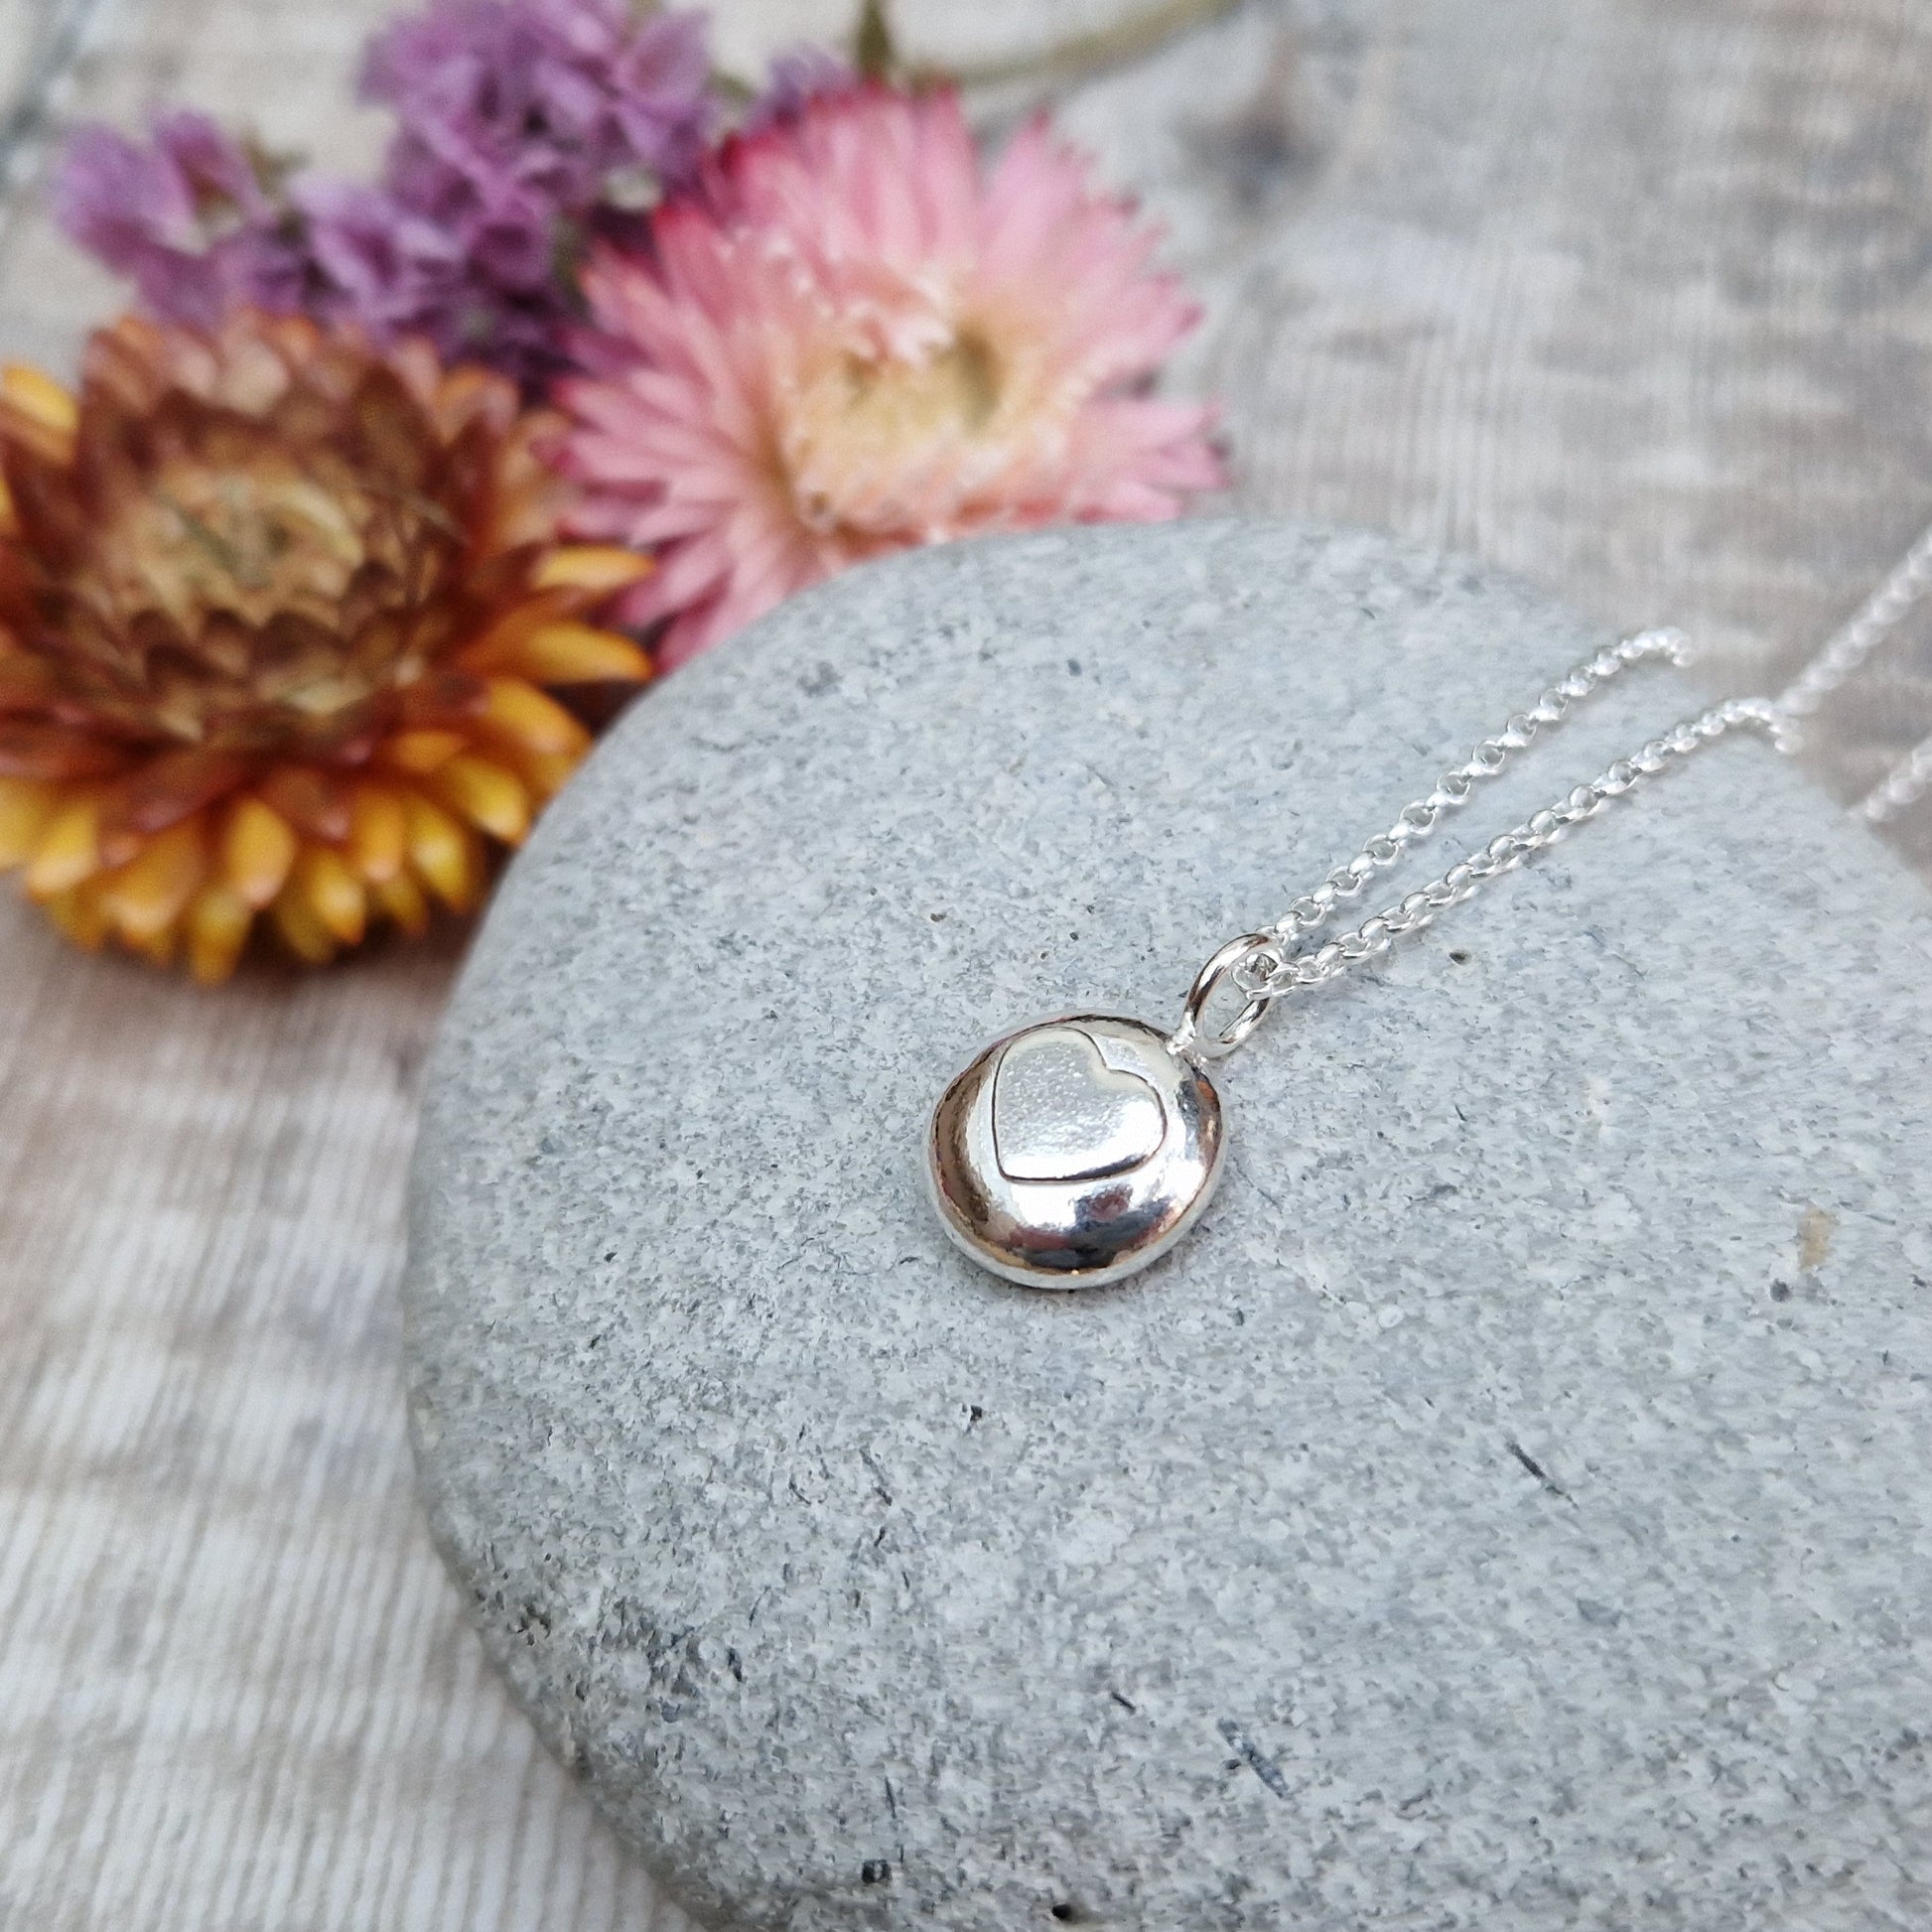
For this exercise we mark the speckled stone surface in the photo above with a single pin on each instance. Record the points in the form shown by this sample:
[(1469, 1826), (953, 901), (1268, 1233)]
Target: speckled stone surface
[(1511, 1509)]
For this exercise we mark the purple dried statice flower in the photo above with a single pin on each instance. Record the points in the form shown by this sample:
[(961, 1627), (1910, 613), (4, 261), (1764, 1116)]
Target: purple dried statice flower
[(556, 96), (527, 127), (186, 217), (371, 261)]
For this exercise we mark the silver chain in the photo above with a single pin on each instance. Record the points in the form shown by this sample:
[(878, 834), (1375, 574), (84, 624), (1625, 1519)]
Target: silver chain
[(1901, 787), (1844, 652), (1262, 967), (1868, 626), (1265, 966)]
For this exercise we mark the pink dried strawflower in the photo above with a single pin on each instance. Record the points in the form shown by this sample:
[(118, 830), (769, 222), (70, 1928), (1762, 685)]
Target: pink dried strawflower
[(850, 340)]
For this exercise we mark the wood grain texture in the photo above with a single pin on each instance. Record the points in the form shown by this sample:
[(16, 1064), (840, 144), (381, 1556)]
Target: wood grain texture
[(1630, 295), (236, 1689)]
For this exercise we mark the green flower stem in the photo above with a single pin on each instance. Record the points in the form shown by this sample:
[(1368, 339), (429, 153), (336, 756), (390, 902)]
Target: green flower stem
[(874, 51), (1083, 56)]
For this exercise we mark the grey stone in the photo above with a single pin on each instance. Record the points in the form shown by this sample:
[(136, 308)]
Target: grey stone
[(1512, 1507)]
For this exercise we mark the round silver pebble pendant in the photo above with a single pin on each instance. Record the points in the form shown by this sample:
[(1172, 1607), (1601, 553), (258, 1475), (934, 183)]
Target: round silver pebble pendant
[(1076, 1152)]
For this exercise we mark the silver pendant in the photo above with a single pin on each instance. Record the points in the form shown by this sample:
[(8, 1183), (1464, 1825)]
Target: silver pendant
[(1073, 1153)]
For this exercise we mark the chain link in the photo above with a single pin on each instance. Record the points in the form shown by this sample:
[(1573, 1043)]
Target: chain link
[(1901, 787), (1843, 655), (1455, 788), (1263, 966), (1868, 626)]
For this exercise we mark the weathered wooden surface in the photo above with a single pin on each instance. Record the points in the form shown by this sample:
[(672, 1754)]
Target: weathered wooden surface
[(1627, 294)]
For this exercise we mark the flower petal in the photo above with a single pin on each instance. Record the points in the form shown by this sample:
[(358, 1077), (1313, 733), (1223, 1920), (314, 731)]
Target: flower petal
[(591, 567), (312, 801), (401, 899), (421, 751), (577, 653), (25, 810), (145, 897), (217, 924), (333, 892), (258, 847), (301, 927), (485, 794), (442, 853), (26, 390), (378, 834), (532, 720), (68, 850)]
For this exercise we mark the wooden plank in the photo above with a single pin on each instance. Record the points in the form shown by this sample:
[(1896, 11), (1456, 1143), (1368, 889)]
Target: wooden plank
[(1625, 294), (237, 1689)]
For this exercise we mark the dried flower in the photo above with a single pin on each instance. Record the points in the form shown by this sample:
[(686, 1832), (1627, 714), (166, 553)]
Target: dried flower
[(187, 219), (551, 99), (852, 341), (527, 129), (275, 612)]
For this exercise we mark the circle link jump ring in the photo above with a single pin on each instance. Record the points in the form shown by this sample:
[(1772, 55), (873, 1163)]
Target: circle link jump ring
[(1188, 1037)]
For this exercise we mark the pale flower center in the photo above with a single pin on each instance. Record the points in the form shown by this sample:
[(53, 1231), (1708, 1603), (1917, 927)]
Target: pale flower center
[(249, 541), (875, 441), (223, 542)]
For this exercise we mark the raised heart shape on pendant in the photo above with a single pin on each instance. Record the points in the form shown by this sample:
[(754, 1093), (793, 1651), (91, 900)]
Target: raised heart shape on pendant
[(1061, 1113)]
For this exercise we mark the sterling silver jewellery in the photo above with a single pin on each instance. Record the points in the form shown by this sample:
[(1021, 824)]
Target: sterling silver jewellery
[(1076, 1152)]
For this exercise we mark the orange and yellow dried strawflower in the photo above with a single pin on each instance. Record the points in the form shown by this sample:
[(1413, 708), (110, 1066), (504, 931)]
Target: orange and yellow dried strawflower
[(280, 620)]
